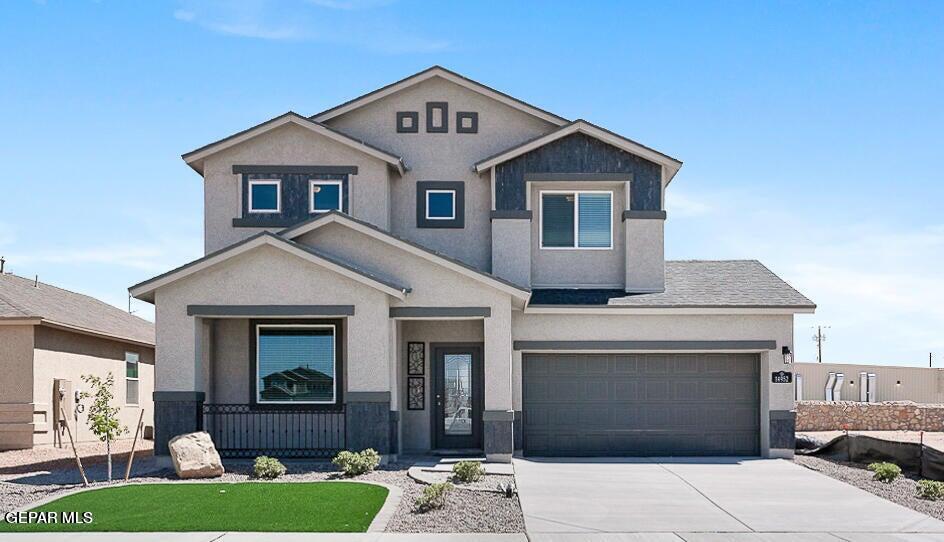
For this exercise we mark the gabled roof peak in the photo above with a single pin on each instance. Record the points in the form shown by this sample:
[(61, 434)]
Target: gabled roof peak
[(449, 75), (196, 157), (669, 165)]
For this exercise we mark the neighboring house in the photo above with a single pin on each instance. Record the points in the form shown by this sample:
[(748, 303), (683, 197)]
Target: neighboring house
[(474, 273), (49, 338), (886, 382)]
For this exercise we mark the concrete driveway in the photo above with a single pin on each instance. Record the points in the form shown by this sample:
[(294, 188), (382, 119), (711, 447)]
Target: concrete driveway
[(704, 499)]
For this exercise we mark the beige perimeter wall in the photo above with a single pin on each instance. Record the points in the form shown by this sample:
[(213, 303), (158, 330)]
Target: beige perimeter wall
[(918, 384)]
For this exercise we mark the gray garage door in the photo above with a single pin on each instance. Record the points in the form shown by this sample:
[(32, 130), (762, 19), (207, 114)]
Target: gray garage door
[(640, 404)]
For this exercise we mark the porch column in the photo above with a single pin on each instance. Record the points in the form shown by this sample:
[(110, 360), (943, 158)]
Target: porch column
[(498, 418), (368, 399), (179, 375)]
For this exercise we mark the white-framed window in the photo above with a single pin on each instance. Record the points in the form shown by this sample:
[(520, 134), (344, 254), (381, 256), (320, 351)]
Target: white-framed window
[(324, 195), (576, 219), (265, 196), (440, 204), (131, 378), (296, 363)]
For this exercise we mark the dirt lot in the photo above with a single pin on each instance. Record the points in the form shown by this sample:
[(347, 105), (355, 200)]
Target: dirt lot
[(49, 458)]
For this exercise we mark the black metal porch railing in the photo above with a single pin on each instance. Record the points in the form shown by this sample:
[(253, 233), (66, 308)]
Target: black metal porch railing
[(249, 431)]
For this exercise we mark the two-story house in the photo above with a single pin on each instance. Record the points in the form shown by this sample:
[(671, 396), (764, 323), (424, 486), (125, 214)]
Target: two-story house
[(437, 266)]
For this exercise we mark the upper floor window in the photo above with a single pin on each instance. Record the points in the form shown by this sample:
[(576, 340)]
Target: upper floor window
[(131, 378), (265, 196), (324, 196), (441, 204), (577, 219)]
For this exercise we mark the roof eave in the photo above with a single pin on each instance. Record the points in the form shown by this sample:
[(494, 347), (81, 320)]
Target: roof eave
[(196, 157), (669, 164), (145, 290)]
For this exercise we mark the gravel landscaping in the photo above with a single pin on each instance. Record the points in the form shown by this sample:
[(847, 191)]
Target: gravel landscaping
[(465, 511), (901, 491)]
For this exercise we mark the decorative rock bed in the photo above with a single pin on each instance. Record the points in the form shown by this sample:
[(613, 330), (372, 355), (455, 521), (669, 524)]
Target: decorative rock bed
[(900, 491), (465, 511)]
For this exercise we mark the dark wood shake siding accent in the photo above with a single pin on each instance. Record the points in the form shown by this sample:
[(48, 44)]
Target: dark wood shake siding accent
[(578, 153), (295, 205)]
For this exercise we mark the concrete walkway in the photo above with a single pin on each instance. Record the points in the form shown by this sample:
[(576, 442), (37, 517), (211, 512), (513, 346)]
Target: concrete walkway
[(704, 500)]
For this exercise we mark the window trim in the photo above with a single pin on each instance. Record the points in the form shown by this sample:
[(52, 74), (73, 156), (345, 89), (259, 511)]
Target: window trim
[(576, 194), (278, 196), (335, 396), (441, 191), (311, 194), (137, 379)]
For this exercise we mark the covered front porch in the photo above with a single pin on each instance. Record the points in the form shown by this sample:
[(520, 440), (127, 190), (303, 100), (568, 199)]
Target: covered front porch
[(288, 381)]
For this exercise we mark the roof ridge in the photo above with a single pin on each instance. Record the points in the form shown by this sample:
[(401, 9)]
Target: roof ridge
[(456, 261)]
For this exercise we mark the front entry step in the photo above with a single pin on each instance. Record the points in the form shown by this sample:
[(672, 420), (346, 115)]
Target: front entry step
[(470, 454)]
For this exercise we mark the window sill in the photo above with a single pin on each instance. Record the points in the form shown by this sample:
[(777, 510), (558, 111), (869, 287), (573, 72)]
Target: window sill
[(581, 249), (260, 222)]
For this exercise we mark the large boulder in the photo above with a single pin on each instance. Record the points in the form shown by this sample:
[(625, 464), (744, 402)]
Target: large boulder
[(195, 456)]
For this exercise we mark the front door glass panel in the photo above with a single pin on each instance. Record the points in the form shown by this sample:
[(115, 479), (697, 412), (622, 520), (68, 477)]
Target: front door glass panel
[(457, 410)]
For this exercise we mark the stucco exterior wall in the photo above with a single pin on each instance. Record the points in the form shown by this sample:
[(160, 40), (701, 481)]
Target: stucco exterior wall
[(69, 356), (229, 374), (511, 250), (645, 255), (16, 386), (288, 145), (443, 157), (576, 327), (270, 276), (415, 425), (578, 268)]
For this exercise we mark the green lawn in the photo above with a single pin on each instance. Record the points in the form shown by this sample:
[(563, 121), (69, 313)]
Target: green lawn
[(250, 506)]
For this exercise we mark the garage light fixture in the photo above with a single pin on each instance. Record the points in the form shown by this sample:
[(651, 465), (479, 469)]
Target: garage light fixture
[(787, 355)]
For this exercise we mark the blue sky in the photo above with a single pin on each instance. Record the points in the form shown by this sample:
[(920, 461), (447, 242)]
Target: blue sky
[(810, 131)]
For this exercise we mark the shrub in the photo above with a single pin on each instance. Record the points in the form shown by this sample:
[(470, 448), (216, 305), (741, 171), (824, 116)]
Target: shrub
[(931, 490), (433, 497), (269, 468), (467, 471), (357, 463), (885, 472)]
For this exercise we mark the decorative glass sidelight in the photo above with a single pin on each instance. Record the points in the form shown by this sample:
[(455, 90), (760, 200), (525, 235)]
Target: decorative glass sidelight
[(457, 410)]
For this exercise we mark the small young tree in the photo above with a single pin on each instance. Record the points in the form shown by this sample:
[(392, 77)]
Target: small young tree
[(102, 416)]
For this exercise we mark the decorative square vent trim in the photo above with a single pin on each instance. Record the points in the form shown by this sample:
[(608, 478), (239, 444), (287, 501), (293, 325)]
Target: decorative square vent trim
[(408, 122), (437, 117), (467, 122)]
